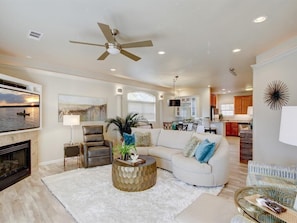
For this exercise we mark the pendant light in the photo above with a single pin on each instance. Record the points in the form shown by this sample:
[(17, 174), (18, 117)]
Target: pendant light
[(174, 102)]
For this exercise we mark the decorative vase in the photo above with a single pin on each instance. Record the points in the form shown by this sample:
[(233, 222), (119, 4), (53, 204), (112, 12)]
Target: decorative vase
[(125, 156)]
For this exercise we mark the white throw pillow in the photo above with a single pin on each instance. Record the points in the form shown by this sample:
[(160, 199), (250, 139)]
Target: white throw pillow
[(211, 137), (190, 147)]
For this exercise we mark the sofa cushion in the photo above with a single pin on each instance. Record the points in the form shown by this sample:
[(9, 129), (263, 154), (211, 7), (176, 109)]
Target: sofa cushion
[(190, 165), (142, 138), (142, 150), (163, 152), (154, 134), (190, 147), (174, 139), (211, 137), (204, 151)]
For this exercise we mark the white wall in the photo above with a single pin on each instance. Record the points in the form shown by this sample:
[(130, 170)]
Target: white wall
[(276, 64)]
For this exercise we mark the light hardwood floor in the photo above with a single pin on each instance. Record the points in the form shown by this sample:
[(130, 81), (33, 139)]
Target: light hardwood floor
[(29, 201)]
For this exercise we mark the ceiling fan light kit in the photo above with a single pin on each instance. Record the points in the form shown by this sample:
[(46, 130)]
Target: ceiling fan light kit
[(113, 47)]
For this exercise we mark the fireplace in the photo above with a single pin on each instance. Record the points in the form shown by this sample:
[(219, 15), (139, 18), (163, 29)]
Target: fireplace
[(15, 163)]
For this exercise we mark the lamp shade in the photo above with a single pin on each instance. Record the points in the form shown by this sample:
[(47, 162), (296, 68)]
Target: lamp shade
[(71, 120), (288, 124)]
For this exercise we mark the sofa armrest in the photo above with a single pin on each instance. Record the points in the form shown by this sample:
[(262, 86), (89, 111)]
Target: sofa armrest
[(219, 163), (108, 143)]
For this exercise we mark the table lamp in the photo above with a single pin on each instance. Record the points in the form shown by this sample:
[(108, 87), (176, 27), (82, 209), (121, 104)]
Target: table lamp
[(287, 132), (71, 120)]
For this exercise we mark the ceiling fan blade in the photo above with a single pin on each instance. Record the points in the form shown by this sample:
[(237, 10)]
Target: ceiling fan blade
[(106, 32), (103, 55), (145, 43), (92, 44), (130, 55)]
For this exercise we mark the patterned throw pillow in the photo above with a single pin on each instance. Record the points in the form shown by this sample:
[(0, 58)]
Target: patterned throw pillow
[(204, 151), (190, 147), (143, 139), (129, 139)]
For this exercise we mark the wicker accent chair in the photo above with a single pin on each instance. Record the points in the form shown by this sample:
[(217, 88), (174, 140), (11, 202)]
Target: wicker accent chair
[(260, 174), (95, 151)]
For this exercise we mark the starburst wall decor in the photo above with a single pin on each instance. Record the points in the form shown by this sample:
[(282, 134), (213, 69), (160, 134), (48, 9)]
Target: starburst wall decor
[(276, 95)]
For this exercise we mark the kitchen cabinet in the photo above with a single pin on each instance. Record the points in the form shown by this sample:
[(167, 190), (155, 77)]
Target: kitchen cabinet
[(187, 109), (231, 129), (213, 100), (241, 104)]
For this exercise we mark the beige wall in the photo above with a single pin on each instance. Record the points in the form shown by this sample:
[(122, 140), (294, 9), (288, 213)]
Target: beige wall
[(276, 64), (53, 134)]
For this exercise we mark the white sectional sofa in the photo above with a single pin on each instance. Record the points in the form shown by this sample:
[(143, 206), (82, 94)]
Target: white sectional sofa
[(167, 147)]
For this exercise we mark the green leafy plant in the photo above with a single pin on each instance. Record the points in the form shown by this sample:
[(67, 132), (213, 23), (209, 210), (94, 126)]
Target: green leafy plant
[(125, 150), (125, 124)]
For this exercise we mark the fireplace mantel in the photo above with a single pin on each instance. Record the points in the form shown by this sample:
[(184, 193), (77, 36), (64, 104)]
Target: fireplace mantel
[(23, 136)]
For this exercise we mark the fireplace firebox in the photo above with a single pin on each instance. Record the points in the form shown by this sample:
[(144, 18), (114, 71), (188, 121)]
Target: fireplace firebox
[(15, 163)]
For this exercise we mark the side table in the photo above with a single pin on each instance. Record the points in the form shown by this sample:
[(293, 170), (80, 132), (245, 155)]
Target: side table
[(71, 150)]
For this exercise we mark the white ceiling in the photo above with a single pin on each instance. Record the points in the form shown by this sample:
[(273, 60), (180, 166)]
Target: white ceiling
[(198, 37)]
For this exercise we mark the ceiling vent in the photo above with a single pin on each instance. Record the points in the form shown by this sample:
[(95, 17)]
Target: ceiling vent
[(35, 35)]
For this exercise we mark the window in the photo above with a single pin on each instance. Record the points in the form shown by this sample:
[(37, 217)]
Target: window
[(227, 109), (143, 104)]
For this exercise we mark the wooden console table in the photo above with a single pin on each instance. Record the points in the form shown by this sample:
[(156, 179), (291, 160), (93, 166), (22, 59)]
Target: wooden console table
[(246, 145)]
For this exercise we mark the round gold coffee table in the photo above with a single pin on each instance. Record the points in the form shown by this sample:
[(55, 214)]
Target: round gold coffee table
[(134, 178)]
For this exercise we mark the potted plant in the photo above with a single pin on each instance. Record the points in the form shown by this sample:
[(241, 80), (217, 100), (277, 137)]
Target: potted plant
[(125, 150), (125, 124)]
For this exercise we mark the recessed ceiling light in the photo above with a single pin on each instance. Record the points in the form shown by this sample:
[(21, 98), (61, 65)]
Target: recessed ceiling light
[(113, 69), (161, 52), (236, 50), (260, 19), (223, 89)]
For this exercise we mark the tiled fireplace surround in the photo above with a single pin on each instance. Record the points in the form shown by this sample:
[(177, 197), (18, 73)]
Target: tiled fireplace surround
[(23, 136)]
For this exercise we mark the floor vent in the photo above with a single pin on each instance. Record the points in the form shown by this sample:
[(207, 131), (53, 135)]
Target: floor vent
[(35, 35)]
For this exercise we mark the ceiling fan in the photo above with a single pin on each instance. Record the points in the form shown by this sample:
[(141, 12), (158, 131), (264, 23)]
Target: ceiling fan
[(114, 47)]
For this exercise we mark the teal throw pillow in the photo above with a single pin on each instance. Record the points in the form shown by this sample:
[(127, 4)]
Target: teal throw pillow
[(129, 139), (204, 151), (210, 153)]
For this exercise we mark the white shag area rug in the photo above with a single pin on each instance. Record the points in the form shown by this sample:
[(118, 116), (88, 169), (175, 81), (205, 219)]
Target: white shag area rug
[(89, 196)]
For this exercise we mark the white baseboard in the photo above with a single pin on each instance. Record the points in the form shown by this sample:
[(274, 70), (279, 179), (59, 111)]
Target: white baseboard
[(51, 162)]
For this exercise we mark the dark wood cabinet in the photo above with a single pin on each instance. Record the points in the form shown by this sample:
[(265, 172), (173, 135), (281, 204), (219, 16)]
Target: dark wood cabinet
[(241, 103), (246, 145), (231, 129)]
